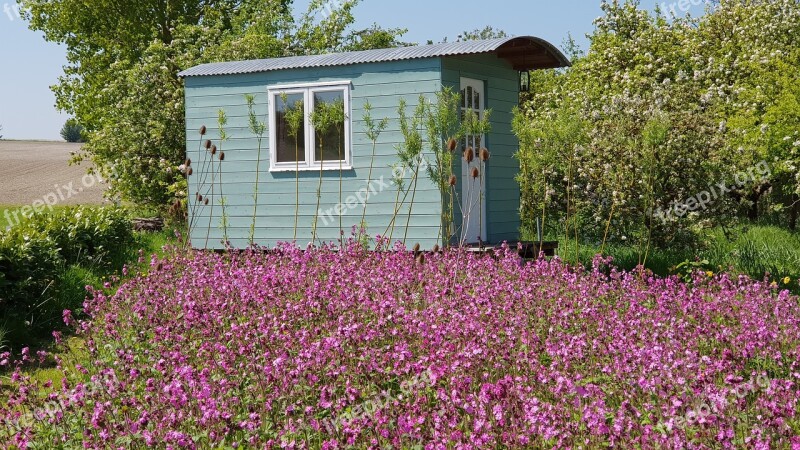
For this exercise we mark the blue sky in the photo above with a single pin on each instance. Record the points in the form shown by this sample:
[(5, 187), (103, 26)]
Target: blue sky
[(30, 64)]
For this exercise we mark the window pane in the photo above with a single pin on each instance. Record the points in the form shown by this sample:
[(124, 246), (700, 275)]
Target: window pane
[(290, 127), (328, 120)]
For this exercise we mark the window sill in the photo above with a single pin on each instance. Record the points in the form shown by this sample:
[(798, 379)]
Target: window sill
[(326, 168)]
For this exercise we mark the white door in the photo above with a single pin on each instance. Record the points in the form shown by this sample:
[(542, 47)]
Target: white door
[(473, 190)]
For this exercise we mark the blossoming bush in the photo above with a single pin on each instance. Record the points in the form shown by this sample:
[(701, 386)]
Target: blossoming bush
[(659, 111), (336, 348)]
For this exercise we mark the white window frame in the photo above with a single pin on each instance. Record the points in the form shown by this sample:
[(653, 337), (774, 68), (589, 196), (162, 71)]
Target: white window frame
[(308, 90)]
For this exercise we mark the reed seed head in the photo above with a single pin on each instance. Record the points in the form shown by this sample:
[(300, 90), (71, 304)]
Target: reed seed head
[(453, 180), (189, 171), (205, 201), (416, 248), (469, 155), (475, 172), (199, 198), (421, 259), (208, 145), (485, 155), (436, 248), (213, 149), (451, 145), (203, 130), (222, 156)]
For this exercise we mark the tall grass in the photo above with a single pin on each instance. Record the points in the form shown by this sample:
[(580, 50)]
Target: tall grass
[(758, 251)]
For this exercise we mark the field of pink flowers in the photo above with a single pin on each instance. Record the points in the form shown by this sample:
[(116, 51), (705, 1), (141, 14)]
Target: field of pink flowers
[(340, 349)]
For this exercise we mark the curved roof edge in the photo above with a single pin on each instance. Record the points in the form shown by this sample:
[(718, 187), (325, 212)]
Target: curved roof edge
[(547, 56)]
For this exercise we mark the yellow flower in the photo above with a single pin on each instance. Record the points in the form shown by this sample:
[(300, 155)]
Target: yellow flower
[(710, 274), (787, 280)]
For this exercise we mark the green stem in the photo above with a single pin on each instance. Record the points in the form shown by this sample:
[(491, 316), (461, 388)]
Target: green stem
[(341, 228), (411, 206), (255, 194), (369, 183), (319, 193), (296, 186)]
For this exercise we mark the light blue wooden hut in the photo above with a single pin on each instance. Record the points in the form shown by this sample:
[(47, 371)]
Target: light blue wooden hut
[(488, 74)]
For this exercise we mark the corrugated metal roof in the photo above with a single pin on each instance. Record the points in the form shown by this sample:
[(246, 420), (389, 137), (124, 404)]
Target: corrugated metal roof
[(373, 56)]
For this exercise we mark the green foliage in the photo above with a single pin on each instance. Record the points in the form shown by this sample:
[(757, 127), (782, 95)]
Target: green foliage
[(85, 234), (28, 262), (327, 117), (375, 37), (409, 155), (72, 131), (433, 130), (687, 269), (121, 81), (442, 126), (758, 251), (373, 131), (295, 117), (44, 262), (258, 128), (657, 112), (487, 32)]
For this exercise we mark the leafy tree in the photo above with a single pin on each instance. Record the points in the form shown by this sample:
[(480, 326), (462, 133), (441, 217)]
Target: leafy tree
[(72, 131), (121, 80), (487, 32), (478, 34)]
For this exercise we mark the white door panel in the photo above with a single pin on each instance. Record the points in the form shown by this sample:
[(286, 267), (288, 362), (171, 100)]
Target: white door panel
[(473, 192)]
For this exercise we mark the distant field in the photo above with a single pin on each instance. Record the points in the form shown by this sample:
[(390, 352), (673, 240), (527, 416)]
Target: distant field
[(39, 171)]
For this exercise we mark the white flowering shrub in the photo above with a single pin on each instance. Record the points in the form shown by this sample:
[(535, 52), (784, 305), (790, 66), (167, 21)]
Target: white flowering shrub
[(659, 113)]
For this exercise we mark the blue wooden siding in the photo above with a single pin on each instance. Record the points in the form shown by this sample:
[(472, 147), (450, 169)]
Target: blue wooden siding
[(383, 85), (501, 82)]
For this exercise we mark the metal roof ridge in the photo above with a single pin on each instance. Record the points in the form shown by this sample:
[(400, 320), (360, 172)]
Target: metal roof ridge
[(363, 57)]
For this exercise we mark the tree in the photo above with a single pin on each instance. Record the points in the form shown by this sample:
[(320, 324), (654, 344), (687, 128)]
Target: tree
[(121, 81), (487, 32), (72, 131)]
